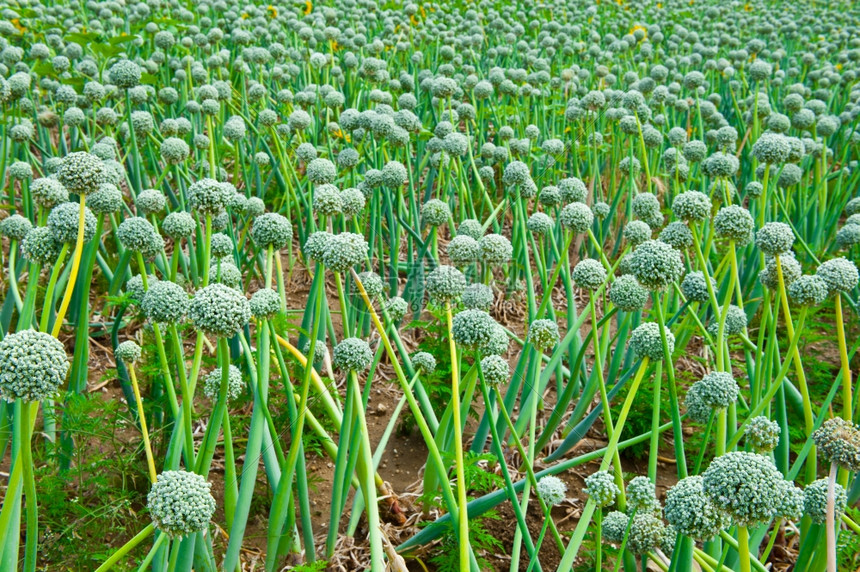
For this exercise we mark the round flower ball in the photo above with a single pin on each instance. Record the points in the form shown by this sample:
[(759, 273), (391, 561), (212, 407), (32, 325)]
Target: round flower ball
[(718, 389), (372, 283), (771, 148), (272, 229), (425, 362), (445, 283), (692, 206), (734, 223), (82, 172), (108, 199), (746, 485), (178, 225), (677, 235), (495, 249), (576, 217), (636, 232), (645, 341), (696, 408), (601, 488), (775, 238), (39, 245), (344, 250), (641, 494), (235, 383), (589, 274), (498, 342), (33, 365), (840, 274), (128, 352), (315, 245), (815, 501), (627, 295), (48, 192), (478, 297), (540, 224), (221, 245), (838, 441), (551, 490), (174, 150), (600, 209), (165, 302), (352, 354), (791, 501), (15, 227), (808, 290), (396, 308), (207, 196), (63, 222), (219, 310), (136, 234), (656, 265), (496, 370), (320, 351), (791, 271), (463, 250), (352, 201), (321, 171), (573, 190), (691, 511), (615, 526), (472, 328), (435, 212), (471, 227), (125, 74), (180, 503), (543, 334), (264, 303), (327, 200), (762, 434), (394, 174), (694, 287)]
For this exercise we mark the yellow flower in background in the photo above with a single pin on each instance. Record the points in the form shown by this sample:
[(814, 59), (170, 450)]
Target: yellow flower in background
[(17, 23), (273, 12), (638, 27), (309, 7)]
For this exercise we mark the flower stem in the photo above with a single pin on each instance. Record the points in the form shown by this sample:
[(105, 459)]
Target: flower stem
[(462, 501)]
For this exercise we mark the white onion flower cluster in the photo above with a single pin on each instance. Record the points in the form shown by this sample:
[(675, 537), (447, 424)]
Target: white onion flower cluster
[(33, 366), (551, 490), (472, 328), (543, 334), (235, 383), (127, 352), (745, 485), (645, 341), (180, 503), (838, 441), (352, 354), (445, 284), (762, 434), (272, 230), (691, 511), (656, 265), (219, 310), (165, 302), (425, 362), (344, 251), (601, 488)]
